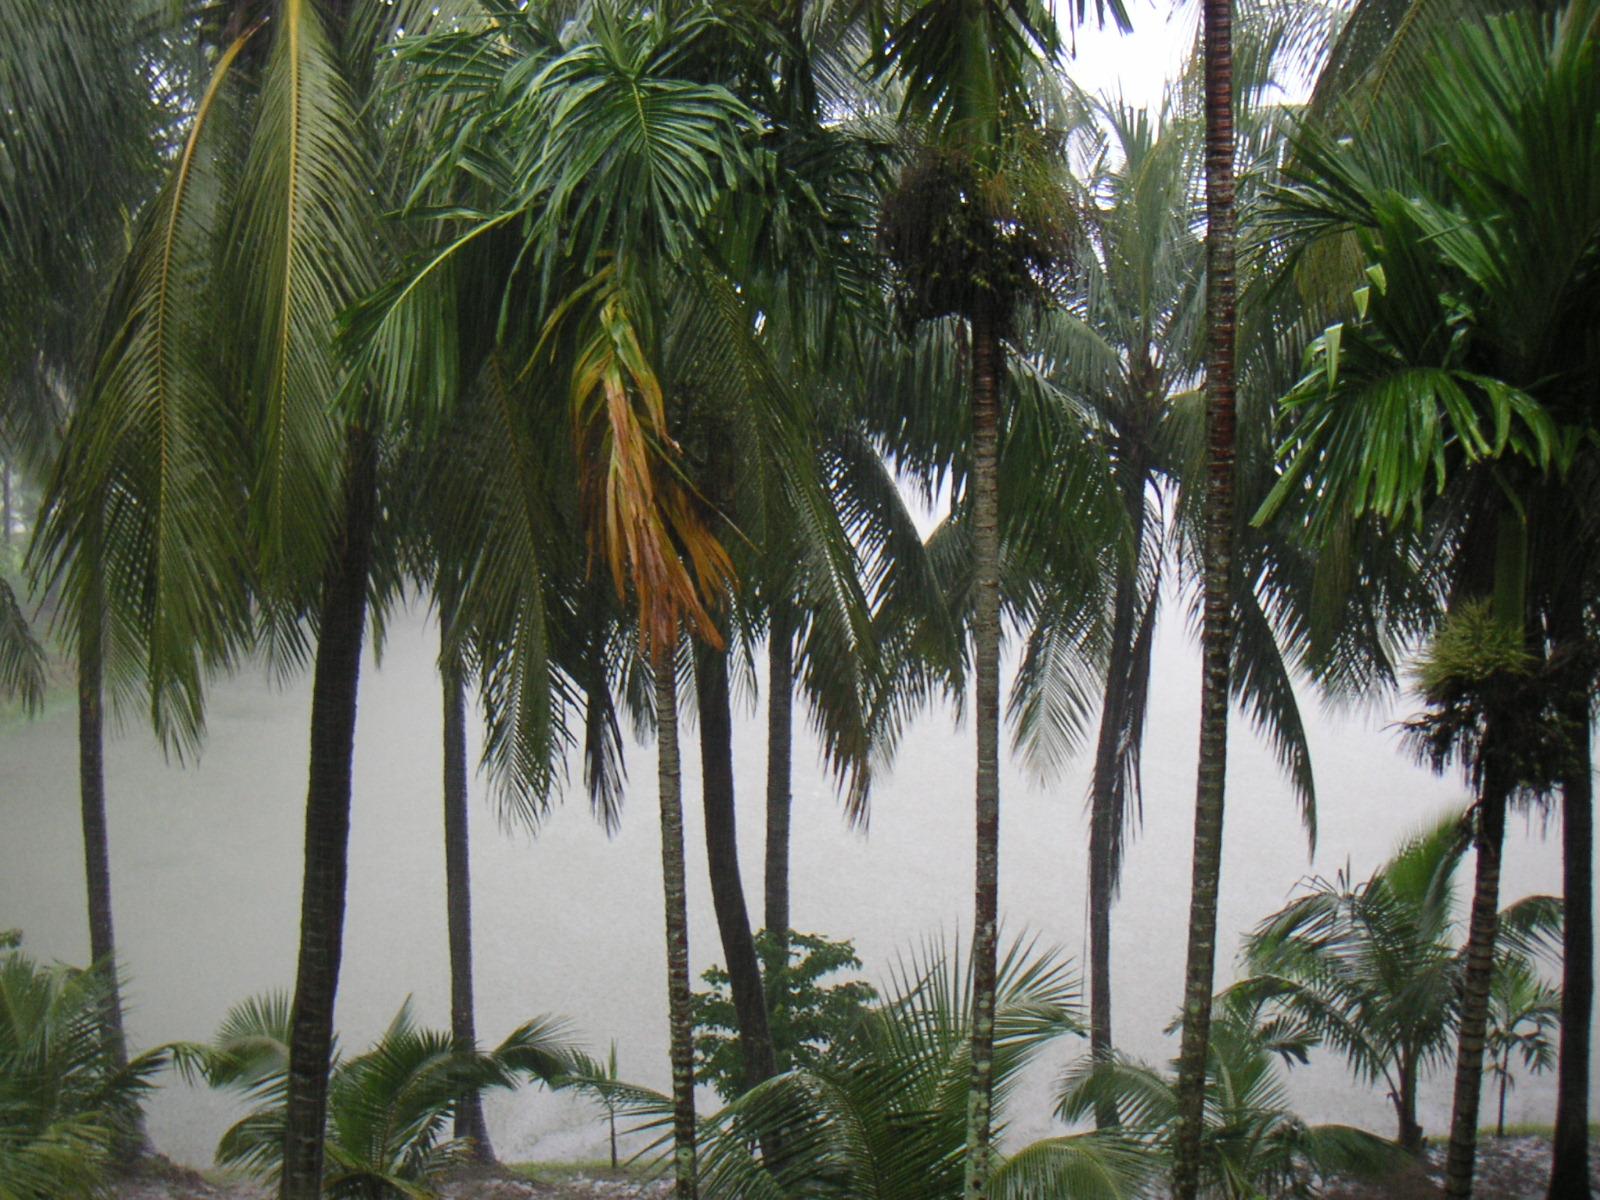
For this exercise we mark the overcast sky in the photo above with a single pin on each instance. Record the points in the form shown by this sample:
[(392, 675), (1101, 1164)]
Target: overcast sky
[(1137, 64)]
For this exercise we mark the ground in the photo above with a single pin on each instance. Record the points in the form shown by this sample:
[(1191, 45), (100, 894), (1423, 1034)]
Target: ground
[(1510, 1168), (160, 1180)]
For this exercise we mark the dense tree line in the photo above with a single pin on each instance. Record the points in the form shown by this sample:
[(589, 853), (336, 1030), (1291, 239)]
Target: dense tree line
[(617, 330)]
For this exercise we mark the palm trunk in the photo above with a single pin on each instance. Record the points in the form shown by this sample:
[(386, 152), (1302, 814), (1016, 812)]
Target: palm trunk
[(987, 366), (1406, 1107), (674, 878), (1216, 635), (722, 853), (5, 501), (469, 1124), (1505, 1080), (1569, 1167), (1106, 800), (96, 844), (333, 723), (1475, 993), (780, 753)]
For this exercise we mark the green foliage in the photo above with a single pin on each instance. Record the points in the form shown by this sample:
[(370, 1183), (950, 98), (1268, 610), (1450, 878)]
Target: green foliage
[(1495, 707), (808, 1016), (1524, 1015), (389, 1108), (1373, 969), (1252, 1143), (64, 1101), (882, 1115)]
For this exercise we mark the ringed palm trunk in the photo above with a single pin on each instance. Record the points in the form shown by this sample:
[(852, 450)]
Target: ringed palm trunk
[(780, 754), (1106, 800), (722, 854), (333, 722), (469, 1123), (1481, 932), (1216, 632), (669, 783), (987, 363), (1569, 1166)]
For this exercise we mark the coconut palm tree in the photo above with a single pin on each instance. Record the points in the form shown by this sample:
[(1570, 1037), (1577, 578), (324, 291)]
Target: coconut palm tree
[(85, 131), (975, 230), (228, 473)]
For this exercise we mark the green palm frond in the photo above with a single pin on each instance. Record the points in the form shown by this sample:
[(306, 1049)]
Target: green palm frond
[(389, 1108), (22, 659), (64, 1099)]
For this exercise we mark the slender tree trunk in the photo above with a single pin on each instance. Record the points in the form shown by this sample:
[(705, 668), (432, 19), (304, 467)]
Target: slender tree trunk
[(1481, 932), (1505, 1079), (333, 722), (1406, 1106), (469, 1124), (722, 853), (669, 781), (5, 501), (97, 846), (1106, 799), (780, 753), (1216, 635), (987, 371), (1569, 1168)]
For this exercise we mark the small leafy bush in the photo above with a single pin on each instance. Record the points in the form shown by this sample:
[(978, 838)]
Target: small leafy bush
[(808, 1016)]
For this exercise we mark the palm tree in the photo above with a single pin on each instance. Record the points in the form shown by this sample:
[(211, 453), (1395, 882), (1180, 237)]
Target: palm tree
[(1524, 1012), (1253, 1144), (1499, 401), (267, 215), (975, 230), (1374, 968), (389, 1108), (84, 134), (70, 1096), (1490, 708), (1217, 627)]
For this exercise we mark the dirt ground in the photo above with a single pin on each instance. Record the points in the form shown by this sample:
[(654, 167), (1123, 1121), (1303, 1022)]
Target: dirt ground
[(1511, 1168)]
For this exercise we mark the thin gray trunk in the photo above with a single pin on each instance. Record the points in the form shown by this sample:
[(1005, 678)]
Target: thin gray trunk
[(987, 371), (1216, 630), (130, 1142), (469, 1124), (674, 877), (780, 752), (1108, 795)]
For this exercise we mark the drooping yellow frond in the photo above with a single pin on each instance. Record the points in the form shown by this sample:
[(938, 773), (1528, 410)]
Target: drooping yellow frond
[(643, 518)]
